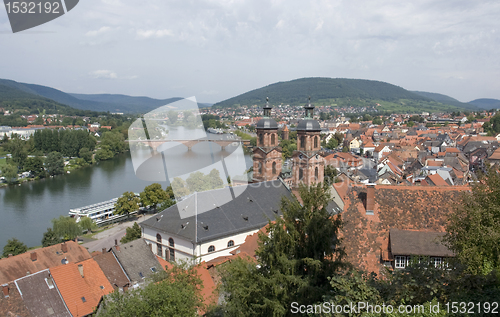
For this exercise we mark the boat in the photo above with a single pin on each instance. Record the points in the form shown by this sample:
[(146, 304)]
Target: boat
[(99, 213)]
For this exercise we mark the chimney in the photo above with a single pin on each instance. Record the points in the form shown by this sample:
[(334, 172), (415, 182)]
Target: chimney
[(117, 247), (33, 256), (80, 269), (116, 242), (125, 288), (64, 247), (5, 289), (370, 199), (10, 255)]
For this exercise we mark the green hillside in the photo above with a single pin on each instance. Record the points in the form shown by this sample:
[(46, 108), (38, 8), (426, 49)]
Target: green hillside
[(485, 103), (342, 93)]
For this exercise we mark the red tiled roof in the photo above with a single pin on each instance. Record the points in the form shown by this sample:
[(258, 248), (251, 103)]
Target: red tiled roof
[(437, 180), (17, 266), (81, 294)]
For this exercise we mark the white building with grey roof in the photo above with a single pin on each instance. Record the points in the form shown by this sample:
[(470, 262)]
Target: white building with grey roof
[(201, 228)]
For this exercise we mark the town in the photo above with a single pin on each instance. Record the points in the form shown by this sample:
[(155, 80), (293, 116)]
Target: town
[(380, 190)]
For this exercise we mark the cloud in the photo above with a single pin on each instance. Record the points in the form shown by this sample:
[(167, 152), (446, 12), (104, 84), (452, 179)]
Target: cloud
[(104, 74), (154, 33), (102, 30)]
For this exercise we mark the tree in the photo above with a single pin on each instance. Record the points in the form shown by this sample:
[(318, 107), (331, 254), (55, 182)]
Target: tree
[(35, 166), (66, 228), (172, 116), (14, 247), (87, 224), (104, 153), (332, 143), (295, 258), (330, 174), (17, 148), (50, 238), (153, 195), (126, 204), (10, 173), (177, 294), (132, 233), (114, 141), (179, 188), (54, 163), (86, 154), (473, 232), (377, 121)]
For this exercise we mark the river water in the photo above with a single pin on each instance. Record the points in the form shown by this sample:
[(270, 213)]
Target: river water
[(26, 210)]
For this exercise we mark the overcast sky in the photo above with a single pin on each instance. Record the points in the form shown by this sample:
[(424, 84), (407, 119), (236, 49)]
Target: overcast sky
[(217, 49)]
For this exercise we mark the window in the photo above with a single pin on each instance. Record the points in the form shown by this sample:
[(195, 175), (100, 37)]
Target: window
[(301, 173), (171, 243), (302, 142), (316, 173), (261, 168), (261, 139), (230, 243), (437, 261), (211, 248), (274, 168), (273, 139), (158, 238), (315, 141), (400, 262), (171, 253), (160, 250), (153, 269)]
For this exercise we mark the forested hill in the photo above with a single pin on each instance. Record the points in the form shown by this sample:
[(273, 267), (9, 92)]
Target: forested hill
[(485, 103), (341, 92)]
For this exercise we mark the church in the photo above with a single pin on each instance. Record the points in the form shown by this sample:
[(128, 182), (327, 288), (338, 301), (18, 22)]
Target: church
[(308, 165)]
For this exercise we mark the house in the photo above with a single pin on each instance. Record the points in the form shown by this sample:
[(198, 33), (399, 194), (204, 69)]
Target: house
[(112, 270), (372, 211), (380, 151), (41, 295), (181, 233), (11, 302), (407, 244), (12, 268), (137, 260), (81, 285)]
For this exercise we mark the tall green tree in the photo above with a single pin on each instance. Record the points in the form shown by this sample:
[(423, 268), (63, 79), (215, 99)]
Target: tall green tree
[(87, 224), (14, 247), (132, 233), (17, 148), (54, 163), (66, 228), (295, 259), (127, 203), (10, 173), (153, 195), (50, 238), (35, 166), (473, 232)]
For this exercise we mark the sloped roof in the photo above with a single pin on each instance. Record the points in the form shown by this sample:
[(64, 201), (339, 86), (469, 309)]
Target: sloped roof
[(18, 266), (421, 208), (437, 180), (137, 259), (81, 294), (425, 243), (111, 269), (41, 299), (14, 304), (250, 210)]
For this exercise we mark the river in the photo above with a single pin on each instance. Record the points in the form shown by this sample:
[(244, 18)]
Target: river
[(26, 210)]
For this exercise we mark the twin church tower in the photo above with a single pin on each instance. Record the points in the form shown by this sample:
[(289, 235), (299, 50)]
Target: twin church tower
[(308, 166)]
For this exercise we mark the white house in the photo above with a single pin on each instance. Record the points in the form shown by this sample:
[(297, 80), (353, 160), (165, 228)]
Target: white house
[(180, 233)]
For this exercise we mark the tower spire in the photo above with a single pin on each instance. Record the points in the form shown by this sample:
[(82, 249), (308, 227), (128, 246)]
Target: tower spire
[(309, 110), (267, 109)]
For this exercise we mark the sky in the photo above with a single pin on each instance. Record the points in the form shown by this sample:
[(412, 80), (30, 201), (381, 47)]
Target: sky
[(217, 49)]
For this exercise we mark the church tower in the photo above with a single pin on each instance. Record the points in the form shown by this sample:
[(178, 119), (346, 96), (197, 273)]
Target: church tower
[(308, 165), (267, 154)]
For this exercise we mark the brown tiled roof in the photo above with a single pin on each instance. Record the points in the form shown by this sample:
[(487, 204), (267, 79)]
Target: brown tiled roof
[(81, 294), (425, 243), (14, 304), (112, 269), (396, 207), (18, 266)]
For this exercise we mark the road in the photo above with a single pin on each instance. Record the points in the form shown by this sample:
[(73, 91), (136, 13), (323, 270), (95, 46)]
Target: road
[(106, 239)]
